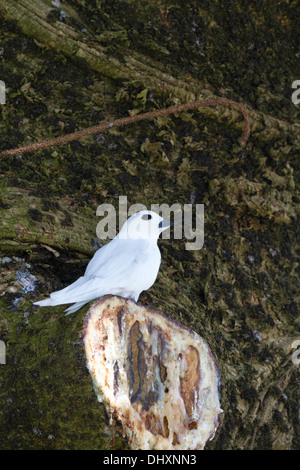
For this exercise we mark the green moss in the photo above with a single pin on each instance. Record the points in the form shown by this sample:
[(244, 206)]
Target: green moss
[(45, 383)]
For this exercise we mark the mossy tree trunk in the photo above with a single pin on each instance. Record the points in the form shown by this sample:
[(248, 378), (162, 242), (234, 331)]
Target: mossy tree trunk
[(71, 67)]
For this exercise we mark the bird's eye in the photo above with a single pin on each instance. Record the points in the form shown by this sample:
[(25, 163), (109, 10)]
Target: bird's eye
[(147, 217)]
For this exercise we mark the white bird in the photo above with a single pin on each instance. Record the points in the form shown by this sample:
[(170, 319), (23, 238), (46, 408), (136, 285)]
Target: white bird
[(126, 266)]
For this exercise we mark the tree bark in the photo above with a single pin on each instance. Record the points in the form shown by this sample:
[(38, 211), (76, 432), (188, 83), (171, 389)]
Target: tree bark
[(32, 18), (238, 292)]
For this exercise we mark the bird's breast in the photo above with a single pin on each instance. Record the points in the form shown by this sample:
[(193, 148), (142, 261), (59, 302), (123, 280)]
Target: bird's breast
[(147, 266)]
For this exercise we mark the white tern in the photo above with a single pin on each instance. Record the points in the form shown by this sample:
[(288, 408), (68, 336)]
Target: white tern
[(126, 266)]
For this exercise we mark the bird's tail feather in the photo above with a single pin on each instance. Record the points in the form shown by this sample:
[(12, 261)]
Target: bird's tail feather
[(81, 291), (60, 293), (87, 291), (63, 296), (75, 307), (43, 303)]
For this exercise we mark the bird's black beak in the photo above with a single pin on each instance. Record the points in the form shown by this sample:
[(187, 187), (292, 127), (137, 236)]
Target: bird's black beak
[(164, 224)]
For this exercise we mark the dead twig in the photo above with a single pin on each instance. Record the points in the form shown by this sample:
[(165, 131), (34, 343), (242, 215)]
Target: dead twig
[(105, 126)]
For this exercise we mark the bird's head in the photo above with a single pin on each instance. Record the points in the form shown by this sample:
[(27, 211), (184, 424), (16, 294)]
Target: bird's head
[(145, 225)]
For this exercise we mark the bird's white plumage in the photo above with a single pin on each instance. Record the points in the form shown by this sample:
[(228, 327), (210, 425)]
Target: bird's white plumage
[(126, 266)]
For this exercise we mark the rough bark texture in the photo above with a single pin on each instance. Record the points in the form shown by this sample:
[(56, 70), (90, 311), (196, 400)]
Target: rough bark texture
[(71, 67)]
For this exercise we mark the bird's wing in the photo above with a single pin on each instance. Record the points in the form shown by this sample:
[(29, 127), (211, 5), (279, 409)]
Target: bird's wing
[(101, 258), (113, 268), (116, 258)]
